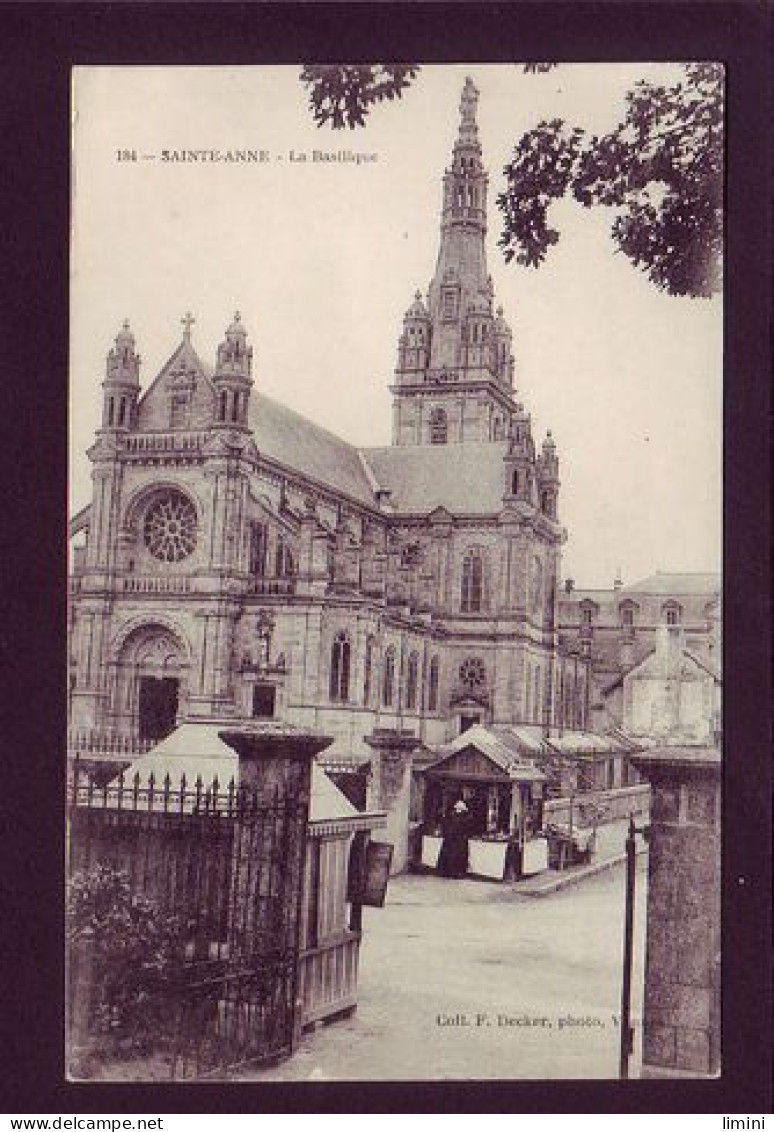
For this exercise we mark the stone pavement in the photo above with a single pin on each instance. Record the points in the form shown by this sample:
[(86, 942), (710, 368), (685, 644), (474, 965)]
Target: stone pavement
[(610, 850), (465, 979)]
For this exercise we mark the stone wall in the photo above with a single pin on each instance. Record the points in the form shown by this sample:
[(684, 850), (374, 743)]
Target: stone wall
[(681, 1026)]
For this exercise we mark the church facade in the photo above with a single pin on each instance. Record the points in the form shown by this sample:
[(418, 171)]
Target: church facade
[(238, 561)]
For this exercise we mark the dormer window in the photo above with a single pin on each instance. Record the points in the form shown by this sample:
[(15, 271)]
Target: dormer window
[(672, 613), (626, 613)]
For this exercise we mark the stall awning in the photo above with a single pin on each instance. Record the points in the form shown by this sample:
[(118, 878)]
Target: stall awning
[(589, 745), (500, 747)]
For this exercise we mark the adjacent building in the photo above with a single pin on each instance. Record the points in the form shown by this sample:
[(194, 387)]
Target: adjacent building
[(655, 649)]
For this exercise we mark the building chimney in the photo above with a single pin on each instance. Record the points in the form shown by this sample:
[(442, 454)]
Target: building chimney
[(569, 585)]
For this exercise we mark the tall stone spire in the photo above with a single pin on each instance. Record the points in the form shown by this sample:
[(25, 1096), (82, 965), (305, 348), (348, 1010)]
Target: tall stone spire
[(455, 351), (461, 279)]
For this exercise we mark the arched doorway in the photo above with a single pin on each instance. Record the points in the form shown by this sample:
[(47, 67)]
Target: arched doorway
[(150, 682)]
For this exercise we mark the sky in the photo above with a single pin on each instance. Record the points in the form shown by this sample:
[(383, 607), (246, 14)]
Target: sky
[(323, 259)]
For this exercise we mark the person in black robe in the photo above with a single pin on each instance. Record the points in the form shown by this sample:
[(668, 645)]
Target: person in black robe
[(453, 858)]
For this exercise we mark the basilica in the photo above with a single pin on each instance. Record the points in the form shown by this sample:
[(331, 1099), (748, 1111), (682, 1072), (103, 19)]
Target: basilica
[(238, 561)]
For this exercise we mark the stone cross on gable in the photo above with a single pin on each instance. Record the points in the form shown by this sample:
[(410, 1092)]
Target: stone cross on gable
[(187, 320)]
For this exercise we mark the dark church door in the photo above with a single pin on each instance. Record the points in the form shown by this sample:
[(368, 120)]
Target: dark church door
[(157, 706)]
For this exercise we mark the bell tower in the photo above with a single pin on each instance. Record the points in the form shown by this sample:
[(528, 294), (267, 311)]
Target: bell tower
[(454, 358)]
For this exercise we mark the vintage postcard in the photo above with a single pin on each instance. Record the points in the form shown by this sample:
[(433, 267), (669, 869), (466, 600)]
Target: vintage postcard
[(395, 596)]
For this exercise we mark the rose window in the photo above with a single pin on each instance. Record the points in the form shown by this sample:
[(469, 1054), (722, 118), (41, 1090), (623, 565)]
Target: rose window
[(473, 672), (170, 527)]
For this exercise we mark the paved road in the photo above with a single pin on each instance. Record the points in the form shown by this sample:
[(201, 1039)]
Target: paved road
[(464, 979)]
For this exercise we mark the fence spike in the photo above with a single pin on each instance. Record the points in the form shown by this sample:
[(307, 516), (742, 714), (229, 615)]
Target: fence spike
[(136, 790), (231, 791), (151, 785), (167, 784), (199, 786), (121, 777), (183, 782)]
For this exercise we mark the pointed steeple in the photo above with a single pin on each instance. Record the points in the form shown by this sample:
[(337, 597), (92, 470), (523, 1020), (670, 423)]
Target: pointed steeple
[(455, 354)]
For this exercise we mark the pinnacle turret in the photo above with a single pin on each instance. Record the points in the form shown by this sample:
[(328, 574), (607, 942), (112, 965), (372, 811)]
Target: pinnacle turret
[(122, 381), (233, 375)]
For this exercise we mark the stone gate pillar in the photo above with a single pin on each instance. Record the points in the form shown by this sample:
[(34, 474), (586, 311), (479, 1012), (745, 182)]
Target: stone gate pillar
[(391, 786), (275, 770), (681, 1024)]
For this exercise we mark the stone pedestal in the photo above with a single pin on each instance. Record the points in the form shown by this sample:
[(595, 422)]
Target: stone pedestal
[(391, 786), (681, 1025)]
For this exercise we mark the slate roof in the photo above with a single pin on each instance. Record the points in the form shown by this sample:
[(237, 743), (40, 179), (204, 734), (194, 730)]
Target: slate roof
[(685, 653), (466, 479), (291, 439), (664, 583), (502, 746)]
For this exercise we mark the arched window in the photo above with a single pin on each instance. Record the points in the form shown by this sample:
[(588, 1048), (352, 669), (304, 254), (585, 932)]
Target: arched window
[(515, 482), (439, 427), (432, 691), (222, 398), (368, 662), (388, 677), (111, 409), (257, 549), (412, 678), (340, 654), (536, 705), (283, 560), (472, 594), (627, 616)]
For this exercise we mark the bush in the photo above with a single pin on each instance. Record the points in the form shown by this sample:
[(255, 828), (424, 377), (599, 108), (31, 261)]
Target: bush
[(129, 945)]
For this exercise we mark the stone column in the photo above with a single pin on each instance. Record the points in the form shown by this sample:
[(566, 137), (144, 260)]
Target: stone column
[(391, 786), (681, 1025)]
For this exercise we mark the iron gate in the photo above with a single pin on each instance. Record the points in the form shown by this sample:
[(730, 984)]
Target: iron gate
[(216, 874)]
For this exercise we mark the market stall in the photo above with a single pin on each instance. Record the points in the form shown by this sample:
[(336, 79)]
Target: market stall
[(485, 792)]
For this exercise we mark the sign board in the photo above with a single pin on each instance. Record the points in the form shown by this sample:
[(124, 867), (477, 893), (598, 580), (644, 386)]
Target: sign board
[(369, 872), (377, 873)]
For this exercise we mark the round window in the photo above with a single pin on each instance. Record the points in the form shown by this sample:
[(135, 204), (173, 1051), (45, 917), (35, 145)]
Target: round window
[(170, 527), (473, 672)]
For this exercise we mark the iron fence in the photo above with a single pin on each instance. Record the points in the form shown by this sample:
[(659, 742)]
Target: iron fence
[(190, 960)]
